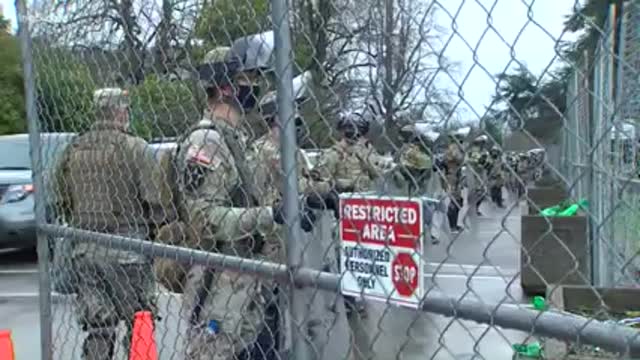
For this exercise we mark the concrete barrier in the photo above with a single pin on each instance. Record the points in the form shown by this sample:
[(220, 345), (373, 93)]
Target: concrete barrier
[(555, 250), (541, 197), (575, 298)]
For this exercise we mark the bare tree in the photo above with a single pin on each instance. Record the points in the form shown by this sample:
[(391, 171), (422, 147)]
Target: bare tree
[(135, 35), (379, 56), (399, 56)]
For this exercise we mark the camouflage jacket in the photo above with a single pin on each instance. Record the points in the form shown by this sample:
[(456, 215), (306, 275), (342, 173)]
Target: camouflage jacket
[(414, 170), (265, 161), (495, 169), (214, 194), (477, 159), (109, 181), (349, 166), (453, 159)]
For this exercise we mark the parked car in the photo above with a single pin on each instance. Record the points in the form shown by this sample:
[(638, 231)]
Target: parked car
[(17, 211), (17, 215)]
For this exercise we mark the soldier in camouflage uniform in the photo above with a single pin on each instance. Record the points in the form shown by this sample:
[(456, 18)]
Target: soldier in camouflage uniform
[(414, 160), (522, 173), (495, 171), (265, 154), (349, 167), (536, 163), (415, 167), (265, 159), (228, 310), (109, 182), (511, 165), (325, 314), (450, 166), (349, 164), (477, 158)]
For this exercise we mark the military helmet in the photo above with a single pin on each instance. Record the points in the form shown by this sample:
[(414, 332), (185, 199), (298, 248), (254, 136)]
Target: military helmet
[(111, 98), (268, 108), (537, 152), (459, 134), (408, 132), (411, 133), (268, 105), (217, 55), (537, 156), (253, 52), (353, 124), (481, 139), (217, 69), (495, 151)]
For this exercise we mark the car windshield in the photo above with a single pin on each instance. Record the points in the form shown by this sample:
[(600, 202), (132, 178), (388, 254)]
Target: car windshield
[(14, 153), (14, 150)]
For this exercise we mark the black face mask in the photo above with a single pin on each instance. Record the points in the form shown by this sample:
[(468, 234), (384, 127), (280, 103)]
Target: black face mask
[(301, 131), (351, 133), (248, 96)]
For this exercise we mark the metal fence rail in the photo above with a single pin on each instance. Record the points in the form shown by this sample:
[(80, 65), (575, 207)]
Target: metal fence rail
[(563, 326), (184, 191)]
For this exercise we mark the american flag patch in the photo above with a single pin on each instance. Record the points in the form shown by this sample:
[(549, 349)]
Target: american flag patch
[(199, 156)]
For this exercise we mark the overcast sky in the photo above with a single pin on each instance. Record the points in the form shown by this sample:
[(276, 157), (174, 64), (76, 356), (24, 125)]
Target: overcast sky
[(484, 45), (526, 31)]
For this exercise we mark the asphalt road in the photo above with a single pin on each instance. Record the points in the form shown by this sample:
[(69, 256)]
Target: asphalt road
[(481, 263)]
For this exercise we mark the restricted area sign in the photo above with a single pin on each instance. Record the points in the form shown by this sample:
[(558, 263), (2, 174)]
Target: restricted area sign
[(381, 246)]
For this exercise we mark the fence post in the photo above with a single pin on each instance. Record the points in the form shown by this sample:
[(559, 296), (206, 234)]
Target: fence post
[(35, 149), (611, 113), (284, 80)]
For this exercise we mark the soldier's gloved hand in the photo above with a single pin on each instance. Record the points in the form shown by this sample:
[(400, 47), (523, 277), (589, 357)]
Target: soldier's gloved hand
[(307, 218), (333, 202), (344, 188), (316, 201), (328, 201)]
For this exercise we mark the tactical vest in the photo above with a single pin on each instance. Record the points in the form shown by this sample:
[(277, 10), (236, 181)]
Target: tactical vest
[(242, 195), (352, 166), (101, 204), (453, 162)]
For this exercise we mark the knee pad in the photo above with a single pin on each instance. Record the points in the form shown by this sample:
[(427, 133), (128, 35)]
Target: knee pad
[(99, 344)]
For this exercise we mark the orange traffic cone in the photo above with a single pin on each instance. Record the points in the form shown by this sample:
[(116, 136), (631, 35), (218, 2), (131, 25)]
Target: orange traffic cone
[(143, 343), (6, 346)]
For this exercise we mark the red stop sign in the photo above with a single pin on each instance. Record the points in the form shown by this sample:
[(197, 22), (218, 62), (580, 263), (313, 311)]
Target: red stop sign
[(404, 274)]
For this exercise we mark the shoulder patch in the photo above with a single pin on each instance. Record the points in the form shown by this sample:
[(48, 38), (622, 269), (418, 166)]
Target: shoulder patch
[(201, 156)]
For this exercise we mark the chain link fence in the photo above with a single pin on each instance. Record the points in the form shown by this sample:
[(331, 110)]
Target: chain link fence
[(281, 197), (601, 145)]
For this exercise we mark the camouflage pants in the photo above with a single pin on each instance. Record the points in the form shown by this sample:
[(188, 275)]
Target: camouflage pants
[(477, 183), (451, 184), (235, 303), (110, 292)]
